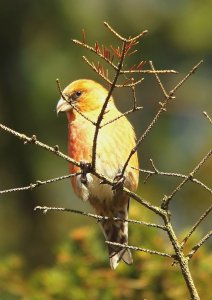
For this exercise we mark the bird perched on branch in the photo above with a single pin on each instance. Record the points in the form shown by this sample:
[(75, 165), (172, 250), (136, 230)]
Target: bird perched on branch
[(82, 100)]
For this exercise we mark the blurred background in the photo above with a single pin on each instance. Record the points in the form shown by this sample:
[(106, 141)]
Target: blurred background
[(63, 256)]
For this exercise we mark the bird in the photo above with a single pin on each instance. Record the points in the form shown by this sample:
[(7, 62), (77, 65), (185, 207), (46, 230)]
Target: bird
[(82, 101)]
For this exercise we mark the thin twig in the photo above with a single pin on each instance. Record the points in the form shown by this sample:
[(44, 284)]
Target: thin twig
[(163, 106), (203, 216), (115, 67), (38, 183), (158, 80), (207, 116), (33, 140), (122, 38), (101, 115), (94, 68), (197, 246), (122, 115), (149, 71), (170, 174), (45, 209), (140, 249), (166, 200)]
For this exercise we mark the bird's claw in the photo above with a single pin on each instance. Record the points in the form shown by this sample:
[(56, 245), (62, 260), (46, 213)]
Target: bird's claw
[(85, 169), (118, 182)]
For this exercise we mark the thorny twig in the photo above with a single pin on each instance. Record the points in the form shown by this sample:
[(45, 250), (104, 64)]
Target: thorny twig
[(140, 249), (194, 227), (163, 106), (197, 246), (167, 199), (155, 171), (38, 183), (45, 209), (101, 115)]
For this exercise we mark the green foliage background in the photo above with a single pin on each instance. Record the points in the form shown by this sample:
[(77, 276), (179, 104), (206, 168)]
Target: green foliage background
[(61, 256)]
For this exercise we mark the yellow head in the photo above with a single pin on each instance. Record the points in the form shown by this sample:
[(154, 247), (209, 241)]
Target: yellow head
[(86, 95)]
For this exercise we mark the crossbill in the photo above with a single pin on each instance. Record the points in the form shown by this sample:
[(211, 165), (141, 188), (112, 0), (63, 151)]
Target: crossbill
[(114, 143)]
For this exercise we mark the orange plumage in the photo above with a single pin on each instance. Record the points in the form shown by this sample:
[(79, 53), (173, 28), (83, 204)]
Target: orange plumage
[(114, 143)]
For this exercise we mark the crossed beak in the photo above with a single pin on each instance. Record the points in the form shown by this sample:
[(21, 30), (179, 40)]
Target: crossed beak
[(62, 106)]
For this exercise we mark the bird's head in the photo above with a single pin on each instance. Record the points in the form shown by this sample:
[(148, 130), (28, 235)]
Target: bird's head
[(86, 95)]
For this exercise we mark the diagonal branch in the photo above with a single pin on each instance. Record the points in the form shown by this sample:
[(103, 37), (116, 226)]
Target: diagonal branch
[(166, 200), (162, 109), (99, 218), (101, 115), (33, 140), (122, 38), (140, 249), (38, 183), (155, 171), (203, 216), (197, 246)]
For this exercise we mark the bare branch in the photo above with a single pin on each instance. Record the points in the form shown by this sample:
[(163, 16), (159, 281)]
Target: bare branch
[(122, 115), (158, 80), (100, 117), (197, 246), (99, 218), (101, 74), (203, 216), (38, 183), (140, 249), (163, 106), (122, 38), (166, 200), (207, 116), (33, 140), (149, 71), (155, 171)]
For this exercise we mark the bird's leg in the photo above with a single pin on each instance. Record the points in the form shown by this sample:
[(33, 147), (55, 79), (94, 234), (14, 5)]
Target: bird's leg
[(118, 182), (85, 168)]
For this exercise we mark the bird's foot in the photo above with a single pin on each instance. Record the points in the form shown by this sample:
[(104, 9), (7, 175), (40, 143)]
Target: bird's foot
[(118, 182), (85, 169)]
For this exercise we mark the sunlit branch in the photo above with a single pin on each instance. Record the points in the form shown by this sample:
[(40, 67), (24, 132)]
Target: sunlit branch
[(99, 218), (203, 216), (140, 249), (38, 183)]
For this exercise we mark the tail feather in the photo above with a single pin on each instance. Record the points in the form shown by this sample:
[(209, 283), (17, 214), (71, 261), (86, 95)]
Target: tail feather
[(124, 255), (117, 231)]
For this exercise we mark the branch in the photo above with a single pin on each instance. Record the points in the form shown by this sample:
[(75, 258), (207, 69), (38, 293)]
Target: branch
[(203, 216), (99, 218), (101, 74), (101, 115), (155, 171), (163, 105), (140, 249), (38, 183), (207, 116), (166, 200), (122, 38), (197, 246), (33, 140), (122, 115)]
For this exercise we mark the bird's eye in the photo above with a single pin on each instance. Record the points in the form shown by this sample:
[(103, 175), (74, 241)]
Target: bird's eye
[(76, 95)]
